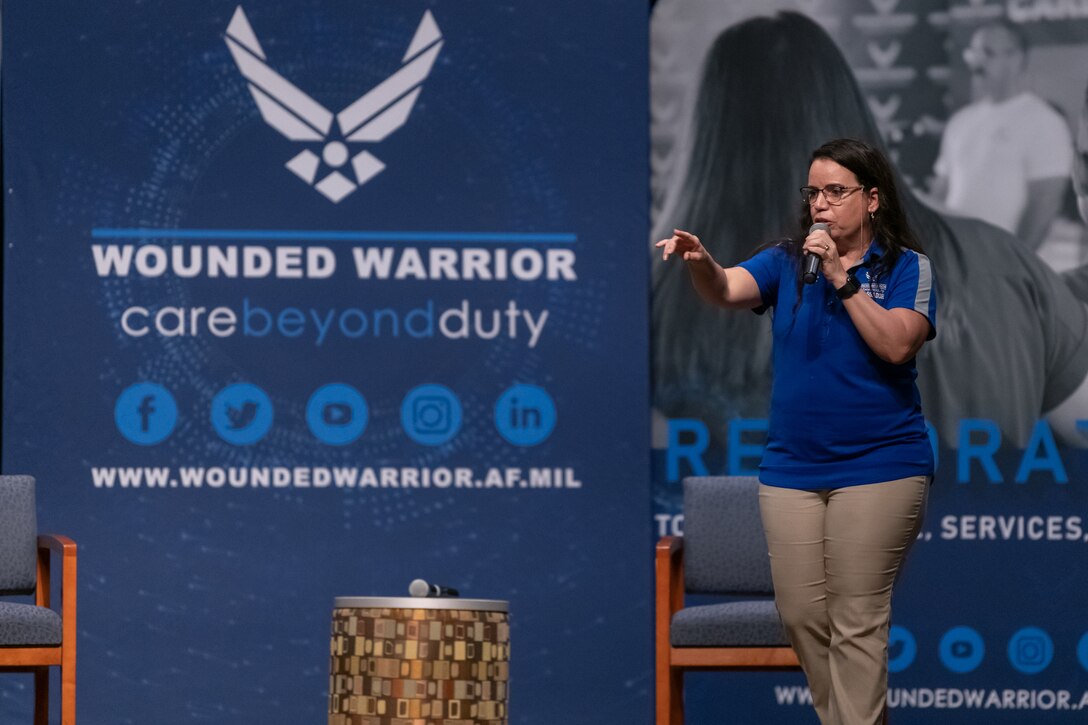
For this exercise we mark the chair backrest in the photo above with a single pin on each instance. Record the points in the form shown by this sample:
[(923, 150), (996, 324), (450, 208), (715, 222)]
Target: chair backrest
[(18, 535), (725, 550)]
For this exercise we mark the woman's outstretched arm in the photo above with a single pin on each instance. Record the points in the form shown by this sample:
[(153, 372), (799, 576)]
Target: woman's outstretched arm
[(732, 287)]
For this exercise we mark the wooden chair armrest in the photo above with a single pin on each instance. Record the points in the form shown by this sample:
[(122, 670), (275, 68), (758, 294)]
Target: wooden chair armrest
[(669, 575), (58, 543), (668, 585), (66, 551), (670, 545), (668, 598)]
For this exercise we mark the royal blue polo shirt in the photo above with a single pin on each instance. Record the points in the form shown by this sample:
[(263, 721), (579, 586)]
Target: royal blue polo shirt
[(841, 416)]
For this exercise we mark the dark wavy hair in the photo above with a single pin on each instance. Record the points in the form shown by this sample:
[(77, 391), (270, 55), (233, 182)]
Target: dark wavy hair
[(874, 171), (888, 222)]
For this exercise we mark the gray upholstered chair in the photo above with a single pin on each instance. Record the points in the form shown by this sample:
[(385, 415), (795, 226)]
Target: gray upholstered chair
[(723, 551), (35, 637)]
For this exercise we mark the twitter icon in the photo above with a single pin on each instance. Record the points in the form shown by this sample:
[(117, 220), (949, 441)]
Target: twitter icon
[(242, 417), (241, 414)]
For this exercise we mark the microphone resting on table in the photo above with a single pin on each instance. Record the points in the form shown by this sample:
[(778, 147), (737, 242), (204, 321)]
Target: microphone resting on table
[(420, 588), (812, 262)]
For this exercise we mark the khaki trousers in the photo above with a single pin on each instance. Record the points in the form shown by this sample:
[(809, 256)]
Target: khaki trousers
[(835, 554)]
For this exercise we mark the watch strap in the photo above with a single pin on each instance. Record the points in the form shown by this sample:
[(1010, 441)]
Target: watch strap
[(847, 290)]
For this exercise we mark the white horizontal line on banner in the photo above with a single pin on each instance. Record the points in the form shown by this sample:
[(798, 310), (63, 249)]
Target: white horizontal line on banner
[(332, 235)]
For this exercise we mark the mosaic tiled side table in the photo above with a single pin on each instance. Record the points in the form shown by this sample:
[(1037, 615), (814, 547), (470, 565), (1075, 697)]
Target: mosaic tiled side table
[(419, 661)]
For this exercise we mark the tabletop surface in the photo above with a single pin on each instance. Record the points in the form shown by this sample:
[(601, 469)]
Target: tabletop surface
[(479, 605)]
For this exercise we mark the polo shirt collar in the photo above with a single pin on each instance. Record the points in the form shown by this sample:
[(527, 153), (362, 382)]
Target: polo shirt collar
[(873, 255)]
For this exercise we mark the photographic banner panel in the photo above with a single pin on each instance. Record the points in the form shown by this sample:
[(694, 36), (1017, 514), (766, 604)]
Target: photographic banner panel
[(310, 300), (989, 617)]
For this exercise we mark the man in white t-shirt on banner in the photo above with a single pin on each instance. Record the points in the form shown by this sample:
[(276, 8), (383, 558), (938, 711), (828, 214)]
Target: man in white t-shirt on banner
[(1005, 157)]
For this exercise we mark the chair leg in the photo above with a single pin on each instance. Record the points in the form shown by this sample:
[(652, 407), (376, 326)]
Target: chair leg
[(41, 696), (676, 696), (670, 696), (68, 694)]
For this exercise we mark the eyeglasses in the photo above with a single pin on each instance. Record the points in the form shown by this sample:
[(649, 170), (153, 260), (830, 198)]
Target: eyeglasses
[(834, 193)]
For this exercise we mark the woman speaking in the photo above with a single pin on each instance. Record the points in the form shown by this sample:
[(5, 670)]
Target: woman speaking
[(847, 462)]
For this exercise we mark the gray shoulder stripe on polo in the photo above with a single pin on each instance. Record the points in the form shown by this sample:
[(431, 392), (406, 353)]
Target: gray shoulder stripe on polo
[(925, 285)]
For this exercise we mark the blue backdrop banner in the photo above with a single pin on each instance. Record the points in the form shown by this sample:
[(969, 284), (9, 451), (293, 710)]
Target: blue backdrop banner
[(308, 300)]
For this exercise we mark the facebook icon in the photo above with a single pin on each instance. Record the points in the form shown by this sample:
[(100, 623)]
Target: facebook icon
[(145, 413), (145, 410)]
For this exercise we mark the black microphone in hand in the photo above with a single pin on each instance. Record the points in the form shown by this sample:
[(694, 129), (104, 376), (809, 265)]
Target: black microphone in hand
[(812, 262), (420, 588)]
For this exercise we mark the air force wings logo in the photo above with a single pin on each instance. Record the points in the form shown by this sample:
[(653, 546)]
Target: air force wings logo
[(370, 119)]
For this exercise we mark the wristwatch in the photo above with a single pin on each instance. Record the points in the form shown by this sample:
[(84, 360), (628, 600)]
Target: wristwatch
[(852, 285)]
